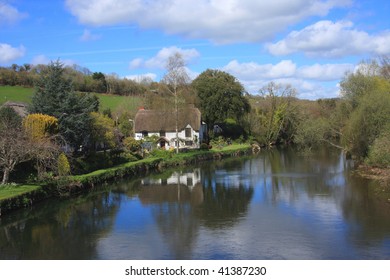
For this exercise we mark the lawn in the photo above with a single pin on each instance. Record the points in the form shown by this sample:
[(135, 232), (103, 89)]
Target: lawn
[(9, 191), (16, 94), (119, 103), (113, 102)]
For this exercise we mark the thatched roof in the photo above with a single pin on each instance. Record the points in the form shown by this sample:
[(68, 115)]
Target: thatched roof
[(155, 120), (19, 108)]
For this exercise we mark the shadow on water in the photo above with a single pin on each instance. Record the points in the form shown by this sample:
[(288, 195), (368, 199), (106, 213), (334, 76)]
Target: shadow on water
[(277, 205)]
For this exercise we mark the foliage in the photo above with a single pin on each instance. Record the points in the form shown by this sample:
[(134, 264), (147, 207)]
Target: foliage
[(230, 129), (125, 122), (221, 96), (379, 151), (63, 166), (365, 80), (218, 142), (366, 123), (54, 96), (9, 118), (204, 147), (39, 126), (274, 117), (161, 153), (132, 145), (103, 130)]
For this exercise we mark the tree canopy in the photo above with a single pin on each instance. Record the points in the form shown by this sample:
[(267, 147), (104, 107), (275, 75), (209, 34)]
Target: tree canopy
[(221, 96), (54, 96)]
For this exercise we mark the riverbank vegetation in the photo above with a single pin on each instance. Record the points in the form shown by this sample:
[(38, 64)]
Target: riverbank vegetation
[(83, 121)]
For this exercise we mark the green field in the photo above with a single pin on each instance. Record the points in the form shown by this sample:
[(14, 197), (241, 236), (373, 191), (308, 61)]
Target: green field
[(113, 102), (16, 94)]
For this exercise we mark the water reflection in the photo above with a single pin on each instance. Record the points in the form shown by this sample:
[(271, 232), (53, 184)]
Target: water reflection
[(277, 205), (60, 230)]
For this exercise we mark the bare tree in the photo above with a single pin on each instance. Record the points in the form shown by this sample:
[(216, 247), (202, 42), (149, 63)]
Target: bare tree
[(14, 149), (176, 77)]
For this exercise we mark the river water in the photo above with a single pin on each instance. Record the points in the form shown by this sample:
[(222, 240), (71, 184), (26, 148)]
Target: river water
[(276, 205)]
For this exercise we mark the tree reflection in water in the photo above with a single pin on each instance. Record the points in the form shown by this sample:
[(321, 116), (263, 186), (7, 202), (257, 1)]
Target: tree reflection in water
[(65, 230)]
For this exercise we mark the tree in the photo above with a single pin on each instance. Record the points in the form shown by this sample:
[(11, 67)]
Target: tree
[(102, 130), (63, 166), (45, 145), (279, 118), (221, 96), (176, 77), (55, 96), (101, 85), (14, 145)]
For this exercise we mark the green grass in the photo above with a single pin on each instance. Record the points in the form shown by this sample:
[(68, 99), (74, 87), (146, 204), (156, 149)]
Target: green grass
[(113, 102), (119, 103), (233, 147), (16, 94), (10, 191)]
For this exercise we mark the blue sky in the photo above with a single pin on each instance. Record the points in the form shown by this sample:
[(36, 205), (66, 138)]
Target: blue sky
[(309, 44)]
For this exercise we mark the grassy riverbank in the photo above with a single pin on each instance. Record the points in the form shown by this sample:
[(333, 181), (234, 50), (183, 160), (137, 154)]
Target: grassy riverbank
[(15, 197)]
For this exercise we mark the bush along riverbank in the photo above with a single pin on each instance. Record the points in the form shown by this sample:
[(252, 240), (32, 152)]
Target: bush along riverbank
[(16, 197)]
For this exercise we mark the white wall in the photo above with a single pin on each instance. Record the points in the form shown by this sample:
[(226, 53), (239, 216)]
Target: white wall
[(172, 135)]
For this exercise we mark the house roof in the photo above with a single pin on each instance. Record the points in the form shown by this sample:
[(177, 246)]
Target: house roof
[(155, 120), (19, 108)]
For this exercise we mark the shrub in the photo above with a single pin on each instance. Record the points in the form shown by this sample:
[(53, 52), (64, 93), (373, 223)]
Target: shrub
[(131, 144), (379, 151), (204, 146), (161, 153), (63, 166)]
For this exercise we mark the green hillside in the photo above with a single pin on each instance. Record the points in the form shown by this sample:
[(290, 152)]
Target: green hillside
[(114, 102), (16, 93)]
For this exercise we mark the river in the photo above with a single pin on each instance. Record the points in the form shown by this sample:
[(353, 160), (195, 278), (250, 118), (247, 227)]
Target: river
[(278, 204)]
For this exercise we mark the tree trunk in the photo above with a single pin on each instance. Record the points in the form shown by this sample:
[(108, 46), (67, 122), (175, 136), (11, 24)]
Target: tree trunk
[(5, 176)]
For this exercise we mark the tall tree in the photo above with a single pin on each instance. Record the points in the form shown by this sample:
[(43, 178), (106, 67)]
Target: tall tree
[(55, 96), (176, 77), (221, 96), (279, 119)]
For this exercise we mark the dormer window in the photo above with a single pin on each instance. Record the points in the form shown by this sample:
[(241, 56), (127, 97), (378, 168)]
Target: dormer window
[(188, 132)]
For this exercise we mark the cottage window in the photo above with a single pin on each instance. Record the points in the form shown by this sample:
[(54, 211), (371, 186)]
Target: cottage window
[(145, 133), (162, 133), (188, 132), (188, 143)]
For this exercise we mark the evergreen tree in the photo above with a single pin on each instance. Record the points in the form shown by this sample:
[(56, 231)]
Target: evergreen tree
[(54, 96)]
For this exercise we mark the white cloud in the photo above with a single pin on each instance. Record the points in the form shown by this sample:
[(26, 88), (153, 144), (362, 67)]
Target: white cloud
[(9, 53), (159, 61), (9, 14), (309, 80), (332, 39), (221, 21), (88, 36), (42, 59), (139, 78), (324, 72)]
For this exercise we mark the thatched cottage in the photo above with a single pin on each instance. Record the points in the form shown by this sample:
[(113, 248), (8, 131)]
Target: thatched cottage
[(191, 129), (18, 107)]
